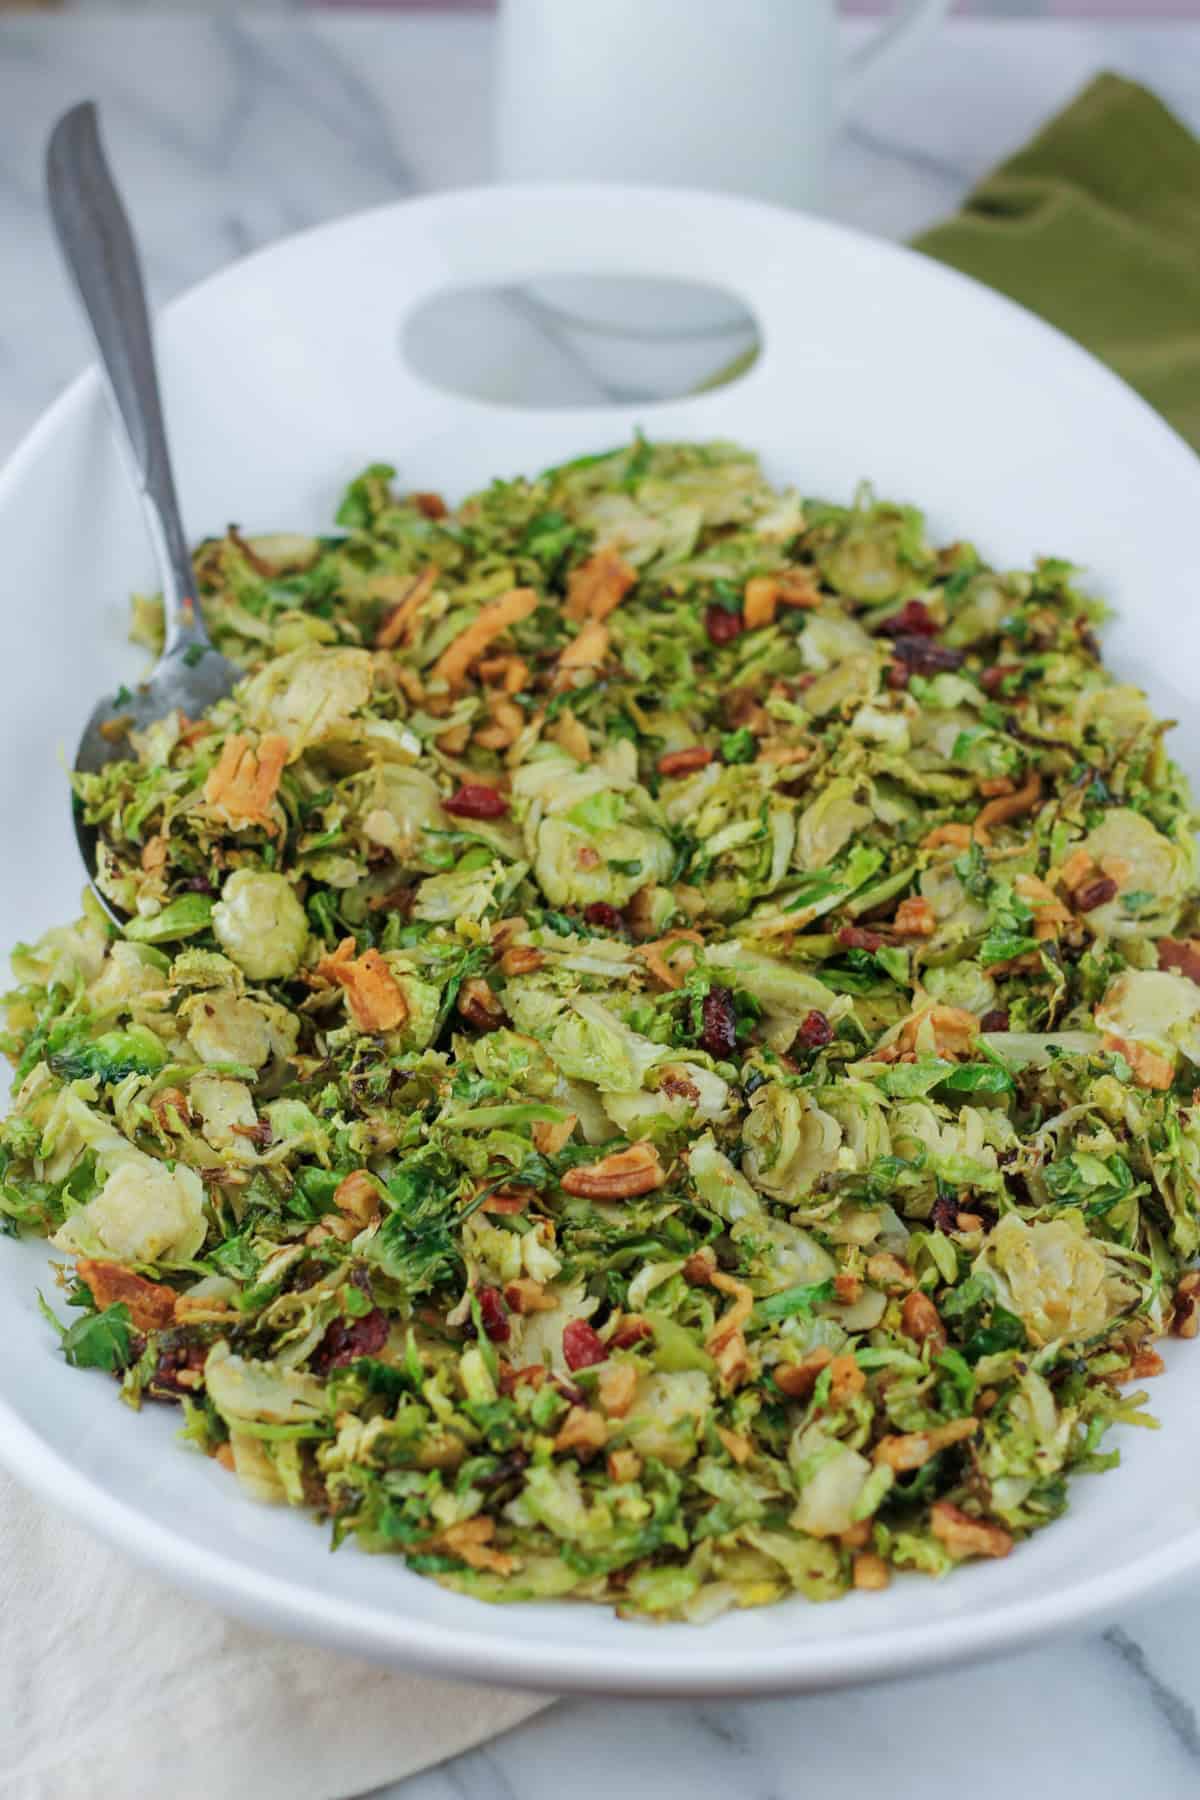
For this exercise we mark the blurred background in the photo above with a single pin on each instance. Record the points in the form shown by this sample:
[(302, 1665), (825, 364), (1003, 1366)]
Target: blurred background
[(998, 9)]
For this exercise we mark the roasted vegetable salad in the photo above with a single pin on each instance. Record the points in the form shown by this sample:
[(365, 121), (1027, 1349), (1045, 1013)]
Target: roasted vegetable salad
[(653, 1050)]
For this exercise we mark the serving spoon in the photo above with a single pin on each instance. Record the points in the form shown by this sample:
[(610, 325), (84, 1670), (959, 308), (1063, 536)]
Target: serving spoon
[(95, 238)]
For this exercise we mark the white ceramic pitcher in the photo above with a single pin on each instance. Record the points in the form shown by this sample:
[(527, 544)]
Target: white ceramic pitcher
[(741, 96)]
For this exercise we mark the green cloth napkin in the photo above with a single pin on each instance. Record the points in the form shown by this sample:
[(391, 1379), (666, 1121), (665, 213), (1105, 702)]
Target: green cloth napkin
[(1096, 226)]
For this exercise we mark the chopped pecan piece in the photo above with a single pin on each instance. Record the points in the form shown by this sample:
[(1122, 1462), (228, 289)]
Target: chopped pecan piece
[(683, 762), (739, 1446), (521, 959), (797, 1380), (1150, 1070), (914, 918), (619, 1176), (583, 1430), (886, 1271), (920, 1320), (478, 1005), (1185, 1316), (524, 1295), (846, 1379), (471, 1542), (357, 1197), (549, 1135), (615, 1389)]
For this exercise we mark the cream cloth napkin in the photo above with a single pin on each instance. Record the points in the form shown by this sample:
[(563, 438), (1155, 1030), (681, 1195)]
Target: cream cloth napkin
[(115, 1687)]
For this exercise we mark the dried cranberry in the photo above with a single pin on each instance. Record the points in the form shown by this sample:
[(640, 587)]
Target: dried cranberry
[(1095, 893), (603, 916), (816, 1030), (856, 937), (914, 617), (996, 1020), (477, 801), (719, 1032), (197, 884), (944, 1216), (721, 625), (348, 1339), (492, 1312), (581, 1345), (896, 675), (920, 657), (514, 1464)]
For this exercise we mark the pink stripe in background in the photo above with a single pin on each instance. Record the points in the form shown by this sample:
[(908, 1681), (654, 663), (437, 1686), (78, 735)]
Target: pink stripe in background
[(1129, 10)]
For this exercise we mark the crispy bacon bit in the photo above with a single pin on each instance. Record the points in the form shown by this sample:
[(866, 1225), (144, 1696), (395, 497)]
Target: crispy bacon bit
[(721, 625), (914, 918), (348, 1339), (1095, 893), (920, 656), (870, 1571), (549, 1135), (521, 959), (619, 1176), (700, 1267), (995, 1020), (616, 1387), (452, 665), (470, 1541), (397, 624), (1006, 807), (603, 916), (738, 1445), (797, 1380), (358, 1198), (242, 784), (913, 1449), (583, 1430), (633, 1329), (920, 1320), (815, 1030), (582, 1345), (718, 1023), (507, 724), (624, 1465), (683, 762), (885, 1270), (478, 1005), (965, 1536), (598, 586), (1181, 955), (154, 854), (760, 597), (654, 954), (491, 1311), (1150, 1070), (913, 619), (151, 1303), (992, 785), (475, 800), (373, 994), (957, 837), (1076, 870), (587, 649), (846, 1379), (430, 506), (857, 937), (952, 1028), (1143, 1365), (171, 1110)]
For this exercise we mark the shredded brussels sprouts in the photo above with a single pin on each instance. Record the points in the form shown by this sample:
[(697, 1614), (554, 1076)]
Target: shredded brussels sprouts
[(654, 1050)]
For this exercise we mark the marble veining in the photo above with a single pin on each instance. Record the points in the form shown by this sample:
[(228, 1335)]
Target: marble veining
[(232, 130)]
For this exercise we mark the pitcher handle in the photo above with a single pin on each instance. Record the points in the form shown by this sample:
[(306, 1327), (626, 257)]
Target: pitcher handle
[(911, 22)]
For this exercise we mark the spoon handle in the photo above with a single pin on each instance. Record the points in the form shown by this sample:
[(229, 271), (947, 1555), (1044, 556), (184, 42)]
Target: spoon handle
[(94, 236)]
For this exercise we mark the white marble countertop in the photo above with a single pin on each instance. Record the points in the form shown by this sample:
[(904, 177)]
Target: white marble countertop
[(229, 132)]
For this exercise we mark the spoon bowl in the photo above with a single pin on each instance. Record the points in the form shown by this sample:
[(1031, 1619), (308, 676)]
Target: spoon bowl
[(97, 243)]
